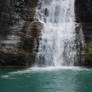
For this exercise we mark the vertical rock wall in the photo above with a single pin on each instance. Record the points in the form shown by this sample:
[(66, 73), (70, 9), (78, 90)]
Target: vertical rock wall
[(83, 10), (17, 21)]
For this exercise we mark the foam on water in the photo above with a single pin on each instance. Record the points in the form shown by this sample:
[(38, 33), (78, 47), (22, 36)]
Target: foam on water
[(44, 69)]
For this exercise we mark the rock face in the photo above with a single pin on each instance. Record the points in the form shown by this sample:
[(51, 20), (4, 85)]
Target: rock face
[(17, 20), (32, 32), (5, 18), (15, 58), (26, 9), (83, 10)]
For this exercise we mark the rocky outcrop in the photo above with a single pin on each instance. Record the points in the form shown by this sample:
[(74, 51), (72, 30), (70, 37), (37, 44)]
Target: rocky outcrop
[(26, 9), (21, 54), (15, 58), (83, 10), (32, 36)]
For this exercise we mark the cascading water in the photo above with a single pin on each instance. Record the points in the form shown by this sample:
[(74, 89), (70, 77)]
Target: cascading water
[(57, 46)]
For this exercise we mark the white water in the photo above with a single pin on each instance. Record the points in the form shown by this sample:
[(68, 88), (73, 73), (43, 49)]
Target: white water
[(43, 69), (57, 47)]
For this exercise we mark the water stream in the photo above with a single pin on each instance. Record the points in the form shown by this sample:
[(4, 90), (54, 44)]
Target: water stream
[(57, 47)]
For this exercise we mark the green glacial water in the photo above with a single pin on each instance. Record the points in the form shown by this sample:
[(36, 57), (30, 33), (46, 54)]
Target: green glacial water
[(46, 80)]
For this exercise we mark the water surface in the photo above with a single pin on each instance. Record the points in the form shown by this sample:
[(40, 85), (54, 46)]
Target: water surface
[(46, 80)]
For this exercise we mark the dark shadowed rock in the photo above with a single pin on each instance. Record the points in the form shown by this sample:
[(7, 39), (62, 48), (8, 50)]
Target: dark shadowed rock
[(16, 58), (11, 12), (83, 10)]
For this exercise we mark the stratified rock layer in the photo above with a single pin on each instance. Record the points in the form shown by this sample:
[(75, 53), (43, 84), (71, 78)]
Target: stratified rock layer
[(21, 54)]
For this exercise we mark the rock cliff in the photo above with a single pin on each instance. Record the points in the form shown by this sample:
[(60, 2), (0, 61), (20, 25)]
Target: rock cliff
[(19, 32), (83, 10)]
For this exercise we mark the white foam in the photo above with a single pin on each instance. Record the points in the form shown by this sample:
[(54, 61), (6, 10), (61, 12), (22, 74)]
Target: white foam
[(44, 69)]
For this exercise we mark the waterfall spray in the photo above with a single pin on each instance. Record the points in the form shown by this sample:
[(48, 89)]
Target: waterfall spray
[(57, 45)]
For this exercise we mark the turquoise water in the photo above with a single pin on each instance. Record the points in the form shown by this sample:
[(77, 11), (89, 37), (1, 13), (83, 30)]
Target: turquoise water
[(46, 80)]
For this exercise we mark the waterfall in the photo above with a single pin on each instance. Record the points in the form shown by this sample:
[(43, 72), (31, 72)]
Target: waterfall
[(57, 45)]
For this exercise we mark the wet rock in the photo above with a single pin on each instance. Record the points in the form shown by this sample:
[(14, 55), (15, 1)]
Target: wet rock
[(11, 12), (26, 9), (87, 56), (35, 29), (83, 10), (32, 36), (15, 58)]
